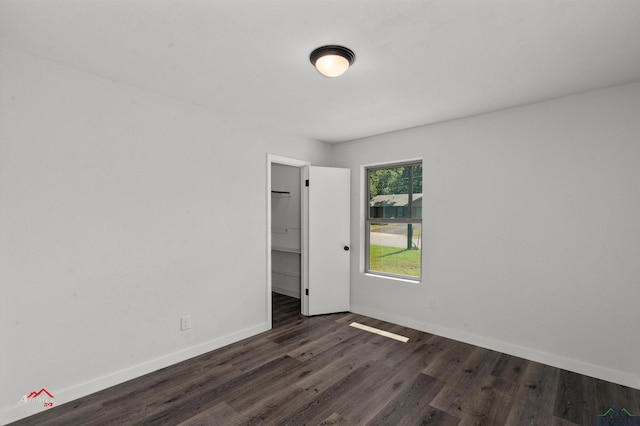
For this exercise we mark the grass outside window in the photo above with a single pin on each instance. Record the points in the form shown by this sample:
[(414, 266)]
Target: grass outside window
[(395, 260)]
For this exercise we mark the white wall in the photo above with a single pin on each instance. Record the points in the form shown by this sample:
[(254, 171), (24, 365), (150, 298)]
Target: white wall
[(120, 211), (531, 231)]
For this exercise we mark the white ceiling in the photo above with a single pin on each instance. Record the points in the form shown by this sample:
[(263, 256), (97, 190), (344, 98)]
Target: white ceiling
[(417, 61)]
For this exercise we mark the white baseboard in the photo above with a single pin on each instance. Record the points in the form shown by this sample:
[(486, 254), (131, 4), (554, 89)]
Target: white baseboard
[(68, 394), (597, 371), (286, 292)]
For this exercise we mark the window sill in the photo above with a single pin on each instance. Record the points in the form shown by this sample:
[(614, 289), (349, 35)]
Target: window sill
[(388, 277)]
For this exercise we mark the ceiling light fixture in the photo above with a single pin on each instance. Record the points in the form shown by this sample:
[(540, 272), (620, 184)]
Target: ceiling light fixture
[(332, 60)]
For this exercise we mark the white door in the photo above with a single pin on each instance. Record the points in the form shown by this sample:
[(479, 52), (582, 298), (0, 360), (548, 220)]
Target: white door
[(329, 246)]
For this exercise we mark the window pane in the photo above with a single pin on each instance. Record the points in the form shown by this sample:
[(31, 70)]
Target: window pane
[(395, 248), (395, 192)]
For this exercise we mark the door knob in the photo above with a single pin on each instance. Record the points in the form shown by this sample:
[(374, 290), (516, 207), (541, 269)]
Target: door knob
[(346, 248)]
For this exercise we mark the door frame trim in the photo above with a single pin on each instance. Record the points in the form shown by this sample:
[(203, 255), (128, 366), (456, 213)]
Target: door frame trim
[(304, 225)]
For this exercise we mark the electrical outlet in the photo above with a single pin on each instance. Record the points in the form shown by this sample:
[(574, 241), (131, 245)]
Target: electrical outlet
[(185, 322), (431, 303)]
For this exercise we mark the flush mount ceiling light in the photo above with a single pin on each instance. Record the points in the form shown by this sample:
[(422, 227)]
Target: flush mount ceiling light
[(332, 61)]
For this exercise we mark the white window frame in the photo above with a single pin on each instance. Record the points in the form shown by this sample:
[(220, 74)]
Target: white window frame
[(368, 220)]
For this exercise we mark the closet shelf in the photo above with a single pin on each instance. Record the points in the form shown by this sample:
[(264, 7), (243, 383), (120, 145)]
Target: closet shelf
[(286, 249)]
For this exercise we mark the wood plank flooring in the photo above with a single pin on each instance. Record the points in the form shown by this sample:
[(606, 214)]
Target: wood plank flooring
[(320, 371)]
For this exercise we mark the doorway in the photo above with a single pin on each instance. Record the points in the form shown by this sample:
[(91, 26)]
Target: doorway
[(287, 229)]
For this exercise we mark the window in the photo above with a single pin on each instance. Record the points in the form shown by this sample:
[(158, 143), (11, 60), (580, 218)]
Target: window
[(394, 220)]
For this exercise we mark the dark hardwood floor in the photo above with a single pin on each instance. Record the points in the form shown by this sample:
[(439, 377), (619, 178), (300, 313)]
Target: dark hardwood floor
[(321, 371)]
